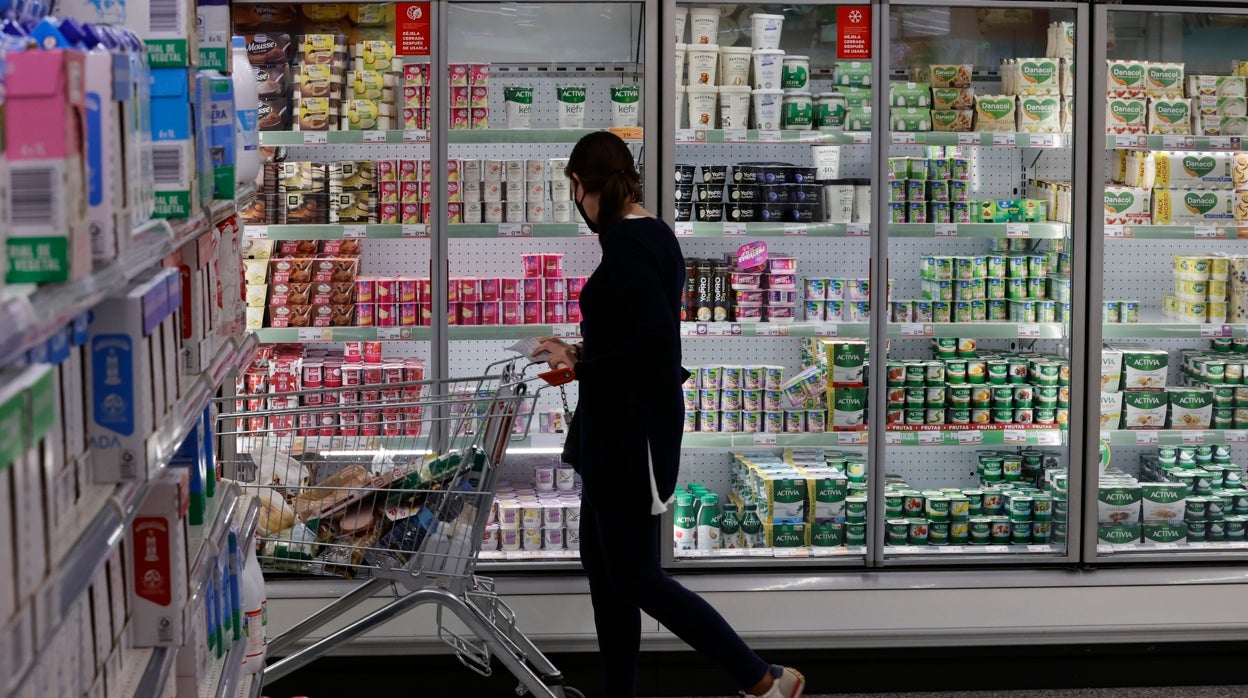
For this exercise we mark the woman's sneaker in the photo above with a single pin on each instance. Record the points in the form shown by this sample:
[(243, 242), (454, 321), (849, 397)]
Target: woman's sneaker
[(788, 683)]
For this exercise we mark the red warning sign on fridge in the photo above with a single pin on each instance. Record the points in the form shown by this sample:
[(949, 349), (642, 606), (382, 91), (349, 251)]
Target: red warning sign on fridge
[(412, 29), (853, 32)]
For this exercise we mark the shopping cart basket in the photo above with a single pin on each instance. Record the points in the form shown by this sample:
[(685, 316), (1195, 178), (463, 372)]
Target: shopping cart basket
[(390, 482)]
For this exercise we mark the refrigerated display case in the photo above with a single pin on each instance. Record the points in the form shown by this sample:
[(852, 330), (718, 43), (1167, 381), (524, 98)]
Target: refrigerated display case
[(976, 223), (767, 181), (1167, 260)]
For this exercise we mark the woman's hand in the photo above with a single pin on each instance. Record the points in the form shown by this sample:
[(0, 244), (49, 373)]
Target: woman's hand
[(562, 354)]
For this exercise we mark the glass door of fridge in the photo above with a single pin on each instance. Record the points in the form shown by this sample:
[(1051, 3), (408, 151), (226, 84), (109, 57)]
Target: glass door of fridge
[(1169, 276), (527, 81), (767, 183), (976, 408)]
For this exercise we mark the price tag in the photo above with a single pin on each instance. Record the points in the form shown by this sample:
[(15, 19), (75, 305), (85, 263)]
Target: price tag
[(904, 138), (1039, 548), (390, 333), (551, 554), (851, 438), (696, 553), (862, 138), (1235, 436), (415, 135), (315, 137), (792, 552), (968, 139), (892, 438), (796, 229), (769, 137), (1043, 140), (688, 329), (256, 232), (683, 228), (917, 330), (770, 329), (1208, 232), (1048, 437), (1122, 141), (1017, 230), (509, 230), (1166, 546), (734, 136), (583, 229), (996, 549), (1193, 437), (1101, 548), (1239, 544), (759, 552), (946, 230), (973, 436), (734, 229), (519, 554), (1177, 142), (1116, 231), (717, 329), (1221, 143), (810, 137), (1198, 546), (1145, 438), (950, 549), (858, 230), (929, 438), (1215, 331), (413, 230), (827, 552), (766, 439), (492, 555), (315, 334), (566, 330), (374, 136), (354, 231), (1124, 547), (1015, 436), (1029, 330), (684, 135), (825, 329), (1006, 139)]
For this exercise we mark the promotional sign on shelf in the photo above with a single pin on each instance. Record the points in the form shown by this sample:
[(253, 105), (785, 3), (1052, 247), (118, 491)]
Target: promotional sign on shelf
[(853, 32), (412, 29)]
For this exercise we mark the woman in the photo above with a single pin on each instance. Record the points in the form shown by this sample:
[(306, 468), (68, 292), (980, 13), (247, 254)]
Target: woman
[(625, 437)]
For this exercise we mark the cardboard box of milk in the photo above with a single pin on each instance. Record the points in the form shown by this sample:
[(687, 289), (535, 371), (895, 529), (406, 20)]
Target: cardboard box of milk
[(214, 35), (220, 91), (49, 240), (106, 187), (167, 27), (156, 542), (174, 164)]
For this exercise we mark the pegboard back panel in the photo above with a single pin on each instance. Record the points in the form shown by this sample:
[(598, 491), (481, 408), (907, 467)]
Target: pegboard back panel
[(359, 151), (1143, 270), (502, 256)]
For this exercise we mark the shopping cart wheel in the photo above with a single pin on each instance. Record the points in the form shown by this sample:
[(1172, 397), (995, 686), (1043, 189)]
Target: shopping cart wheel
[(570, 692)]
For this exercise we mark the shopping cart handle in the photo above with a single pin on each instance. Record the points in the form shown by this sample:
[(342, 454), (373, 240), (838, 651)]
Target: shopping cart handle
[(558, 376)]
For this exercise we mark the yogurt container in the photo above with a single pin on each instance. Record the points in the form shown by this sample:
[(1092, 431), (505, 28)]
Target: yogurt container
[(704, 25), (765, 31), (734, 106), (830, 110), (734, 65), (768, 106), (570, 101), (703, 62), (681, 52), (519, 104), (795, 73), (768, 69), (625, 105), (682, 18), (799, 111), (703, 103), (680, 107)]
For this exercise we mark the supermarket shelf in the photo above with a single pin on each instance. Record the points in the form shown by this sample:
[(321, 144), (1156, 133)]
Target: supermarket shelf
[(518, 230), (964, 551), (715, 136), (748, 330), (526, 560), (1140, 142), (342, 137), (995, 435), (272, 335), (74, 574), (335, 231), (536, 135), (220, 514), (1170, 330), (159, 665), (1034, 231), (979, 330), (766, 557), (743, 440), (31, 314), (1173, 437), (226, 674), (772, 230), (1171, 551), (1175, 232), (1007, 140)]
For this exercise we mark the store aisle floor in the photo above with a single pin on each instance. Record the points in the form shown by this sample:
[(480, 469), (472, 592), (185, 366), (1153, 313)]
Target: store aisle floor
[(1167, 692)]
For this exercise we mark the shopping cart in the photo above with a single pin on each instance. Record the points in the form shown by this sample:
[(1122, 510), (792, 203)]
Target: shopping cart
[(390, 482)]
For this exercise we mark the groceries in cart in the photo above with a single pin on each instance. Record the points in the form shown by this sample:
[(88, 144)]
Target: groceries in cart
[(398, 476)]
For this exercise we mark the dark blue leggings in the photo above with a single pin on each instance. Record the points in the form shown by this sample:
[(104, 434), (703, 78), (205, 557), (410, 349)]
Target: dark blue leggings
[(620, 554)]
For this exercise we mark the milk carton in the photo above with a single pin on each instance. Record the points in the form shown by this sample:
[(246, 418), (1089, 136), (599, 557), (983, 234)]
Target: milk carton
[(156, 541), (175, 168), (168, 28)]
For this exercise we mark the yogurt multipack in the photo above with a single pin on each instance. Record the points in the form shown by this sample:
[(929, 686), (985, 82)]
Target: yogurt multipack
[(1170, 116), (1192, 206), (995, 113), (1039, 114), (1126, 115), (1127, 205)]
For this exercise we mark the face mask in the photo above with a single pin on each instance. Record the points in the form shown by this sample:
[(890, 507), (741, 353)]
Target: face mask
[(593, 227)]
